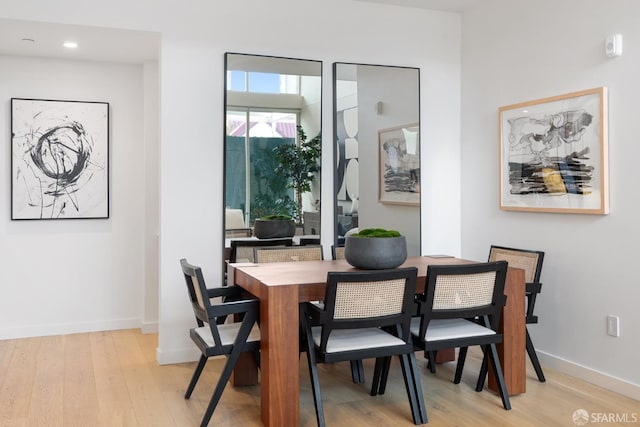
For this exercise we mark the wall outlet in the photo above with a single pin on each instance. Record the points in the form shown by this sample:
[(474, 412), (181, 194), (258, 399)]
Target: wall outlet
[(613, 325)]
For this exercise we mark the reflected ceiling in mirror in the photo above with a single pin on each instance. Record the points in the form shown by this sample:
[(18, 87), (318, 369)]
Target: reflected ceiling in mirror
[(268, 102), (377, 149)]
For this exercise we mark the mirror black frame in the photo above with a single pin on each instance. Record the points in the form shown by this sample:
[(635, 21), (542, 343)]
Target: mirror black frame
[(336, 148), (313, 62)]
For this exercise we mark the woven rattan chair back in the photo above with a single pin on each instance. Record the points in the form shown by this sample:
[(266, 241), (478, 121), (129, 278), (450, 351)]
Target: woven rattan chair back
[(371, 294), (244, 254), (357, 300), (288, 254), (468, 290), (464, 291), (337, 252), (242, 250), (529, 261), (197, 292), (237, 232)]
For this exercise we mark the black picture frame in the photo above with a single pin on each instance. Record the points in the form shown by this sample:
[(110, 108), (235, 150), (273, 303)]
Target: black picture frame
[(59, 159)]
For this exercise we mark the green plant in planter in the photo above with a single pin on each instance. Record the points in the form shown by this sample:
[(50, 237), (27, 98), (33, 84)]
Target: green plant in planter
[(375, 248), (266, 204), (275, 216), (376, 232), (298, 162), (274, 226)]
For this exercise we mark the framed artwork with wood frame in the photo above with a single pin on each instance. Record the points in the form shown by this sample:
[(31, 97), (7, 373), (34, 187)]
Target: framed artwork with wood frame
[(399, 165), (553, 154)]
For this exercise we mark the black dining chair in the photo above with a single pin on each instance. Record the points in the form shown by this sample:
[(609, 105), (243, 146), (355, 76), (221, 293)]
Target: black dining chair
[(242, 250), (287, 254), (366, 314), (337, 252), (531, 262), (231, 233), (305, 241), (357, 367), (214, 339), (460, 307)]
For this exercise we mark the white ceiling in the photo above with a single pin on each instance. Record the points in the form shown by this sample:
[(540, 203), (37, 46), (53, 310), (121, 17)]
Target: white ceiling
[(94, 43), (445, 5), (115, 45)]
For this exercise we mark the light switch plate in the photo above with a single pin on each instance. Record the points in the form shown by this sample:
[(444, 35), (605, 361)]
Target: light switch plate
[(613, 325)]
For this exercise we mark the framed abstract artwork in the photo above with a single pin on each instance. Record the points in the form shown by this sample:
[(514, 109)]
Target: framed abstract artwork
[(59, 159), (399, 165), (553, 154)]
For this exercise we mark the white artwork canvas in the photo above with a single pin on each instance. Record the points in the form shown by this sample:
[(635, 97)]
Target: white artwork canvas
[(59, 159)]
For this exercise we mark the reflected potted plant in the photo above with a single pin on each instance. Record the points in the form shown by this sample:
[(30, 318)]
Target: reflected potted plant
[(274, 226), (375, 249), (298, 163)]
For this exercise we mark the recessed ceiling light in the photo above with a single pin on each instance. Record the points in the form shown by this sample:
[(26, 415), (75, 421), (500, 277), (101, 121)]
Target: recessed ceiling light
[(70, 45)]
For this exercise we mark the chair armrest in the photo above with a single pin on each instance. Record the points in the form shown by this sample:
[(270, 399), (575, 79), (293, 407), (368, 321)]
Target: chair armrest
[(533, 288), (416, 308), (224, 291), (420, 304), (314, 311), (233, 307)]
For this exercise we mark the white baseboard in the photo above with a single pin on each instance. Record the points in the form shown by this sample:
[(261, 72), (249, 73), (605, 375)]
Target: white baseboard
[(183, 355), (67, 328), (149, 327), (590, 375)]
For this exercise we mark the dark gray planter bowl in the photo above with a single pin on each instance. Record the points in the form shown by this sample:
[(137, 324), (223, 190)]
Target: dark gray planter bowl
[(274, 228), (375, 253)]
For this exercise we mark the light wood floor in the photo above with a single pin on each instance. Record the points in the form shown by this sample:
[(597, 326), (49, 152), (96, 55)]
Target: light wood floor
[(112, 379)]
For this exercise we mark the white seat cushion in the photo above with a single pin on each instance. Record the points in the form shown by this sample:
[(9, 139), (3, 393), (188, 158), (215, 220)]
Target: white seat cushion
[(446, 329), (228, 333), (355, 339)]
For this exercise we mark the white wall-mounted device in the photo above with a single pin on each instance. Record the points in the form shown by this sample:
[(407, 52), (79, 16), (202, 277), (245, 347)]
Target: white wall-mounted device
[(613, 45)]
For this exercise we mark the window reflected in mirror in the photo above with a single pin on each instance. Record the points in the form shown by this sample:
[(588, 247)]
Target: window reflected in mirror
[(377, 143), (272, 141)]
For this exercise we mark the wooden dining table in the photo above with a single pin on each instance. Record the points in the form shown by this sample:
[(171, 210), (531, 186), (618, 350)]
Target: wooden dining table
[(281, 287)]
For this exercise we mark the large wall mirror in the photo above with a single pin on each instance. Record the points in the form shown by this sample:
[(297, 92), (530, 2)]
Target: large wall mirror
[(377, 143), (269, 102)]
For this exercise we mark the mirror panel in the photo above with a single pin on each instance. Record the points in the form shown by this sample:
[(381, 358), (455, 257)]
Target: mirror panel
[(266, 99), (377, 149)]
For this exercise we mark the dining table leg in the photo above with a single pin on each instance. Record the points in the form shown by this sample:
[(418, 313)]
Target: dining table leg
[(512, 350), (280, 358)]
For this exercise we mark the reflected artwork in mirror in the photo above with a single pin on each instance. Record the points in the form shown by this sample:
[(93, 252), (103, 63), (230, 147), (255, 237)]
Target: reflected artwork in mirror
[(272, 142), (377, 150)]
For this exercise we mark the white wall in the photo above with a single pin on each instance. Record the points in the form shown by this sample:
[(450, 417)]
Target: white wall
[(517, 51), (152, 196), (194, 37), (76, 275), (192, 72)]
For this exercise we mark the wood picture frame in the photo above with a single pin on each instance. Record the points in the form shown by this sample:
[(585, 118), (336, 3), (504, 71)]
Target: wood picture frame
[(554, 154)]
